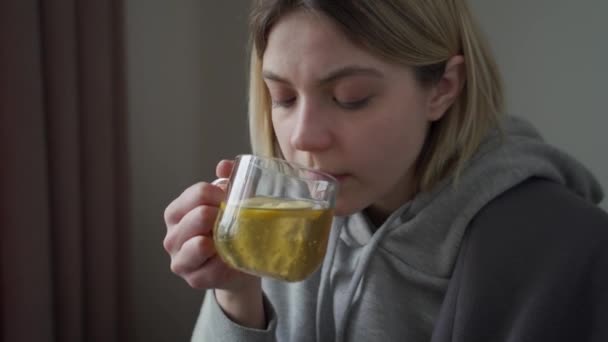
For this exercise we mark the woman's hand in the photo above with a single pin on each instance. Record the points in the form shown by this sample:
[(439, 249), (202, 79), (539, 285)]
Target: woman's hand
[(189, 241)]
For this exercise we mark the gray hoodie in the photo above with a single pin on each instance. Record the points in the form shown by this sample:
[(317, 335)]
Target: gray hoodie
[(387, 284)]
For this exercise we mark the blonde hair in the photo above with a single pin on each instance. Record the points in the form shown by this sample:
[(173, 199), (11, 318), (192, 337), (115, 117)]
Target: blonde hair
[(422, 34)]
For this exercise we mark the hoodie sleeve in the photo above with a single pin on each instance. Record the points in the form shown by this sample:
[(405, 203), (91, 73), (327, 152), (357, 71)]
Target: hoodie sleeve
[(214, 325), (599, 283), (532, 268)]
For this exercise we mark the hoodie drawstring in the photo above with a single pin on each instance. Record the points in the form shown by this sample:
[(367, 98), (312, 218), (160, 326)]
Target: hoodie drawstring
[(358, 277), (324, 291), (324, 314)]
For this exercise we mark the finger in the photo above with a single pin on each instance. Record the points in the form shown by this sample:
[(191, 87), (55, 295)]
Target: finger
[(224, 168), (201, 193), (193, 255), (213, 274), (199, 221)]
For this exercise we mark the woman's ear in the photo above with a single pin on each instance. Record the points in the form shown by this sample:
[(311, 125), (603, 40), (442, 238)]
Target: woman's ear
[(445, 92)]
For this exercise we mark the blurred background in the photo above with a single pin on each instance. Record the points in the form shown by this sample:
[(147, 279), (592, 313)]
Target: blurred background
[(111, 109)]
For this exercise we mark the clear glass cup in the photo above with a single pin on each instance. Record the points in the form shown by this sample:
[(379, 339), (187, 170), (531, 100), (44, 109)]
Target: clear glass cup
[(276, 218)]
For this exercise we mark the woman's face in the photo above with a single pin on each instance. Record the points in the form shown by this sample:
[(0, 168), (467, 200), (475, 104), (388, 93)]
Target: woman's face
[(342, 110)]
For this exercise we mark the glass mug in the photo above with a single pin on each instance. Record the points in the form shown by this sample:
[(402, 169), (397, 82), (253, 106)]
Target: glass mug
[(276, 218)]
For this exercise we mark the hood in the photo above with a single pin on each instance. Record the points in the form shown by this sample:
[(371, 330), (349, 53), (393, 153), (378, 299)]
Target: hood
[(428, 234)]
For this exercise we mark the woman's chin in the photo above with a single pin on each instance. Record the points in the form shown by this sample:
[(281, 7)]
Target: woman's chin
[(343, 208)]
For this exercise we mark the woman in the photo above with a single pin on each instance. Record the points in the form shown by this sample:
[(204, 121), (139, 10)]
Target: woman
[(454, 222)]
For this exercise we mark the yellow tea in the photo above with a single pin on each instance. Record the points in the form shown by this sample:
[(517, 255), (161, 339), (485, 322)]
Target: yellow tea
[(281, 238)]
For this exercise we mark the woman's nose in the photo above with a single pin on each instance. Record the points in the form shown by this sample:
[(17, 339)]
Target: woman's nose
[(312, 131)]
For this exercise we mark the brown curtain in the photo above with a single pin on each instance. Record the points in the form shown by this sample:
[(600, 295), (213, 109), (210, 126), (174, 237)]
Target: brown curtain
[(63, 172)]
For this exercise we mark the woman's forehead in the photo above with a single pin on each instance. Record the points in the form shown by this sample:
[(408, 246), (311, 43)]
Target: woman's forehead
[(312, 44)]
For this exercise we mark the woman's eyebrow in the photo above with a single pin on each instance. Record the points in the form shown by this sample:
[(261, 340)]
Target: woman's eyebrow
[(269, 75), (346, 71), (350, 70)]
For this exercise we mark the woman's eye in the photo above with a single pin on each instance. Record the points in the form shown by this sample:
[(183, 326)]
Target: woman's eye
[(353, 105), (283, 103)]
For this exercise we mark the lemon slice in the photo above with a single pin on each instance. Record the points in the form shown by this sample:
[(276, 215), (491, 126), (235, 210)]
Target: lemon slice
[(294, 205), (276, 203)]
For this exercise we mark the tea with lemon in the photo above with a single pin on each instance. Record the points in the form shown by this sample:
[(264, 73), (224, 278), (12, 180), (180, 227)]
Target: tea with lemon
[(277, 237)]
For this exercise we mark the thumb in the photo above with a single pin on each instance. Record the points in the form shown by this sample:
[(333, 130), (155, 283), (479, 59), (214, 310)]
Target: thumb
[(224, 168)]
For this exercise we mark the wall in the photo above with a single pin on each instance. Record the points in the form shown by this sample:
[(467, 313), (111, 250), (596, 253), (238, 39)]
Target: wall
[(186, 73)]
